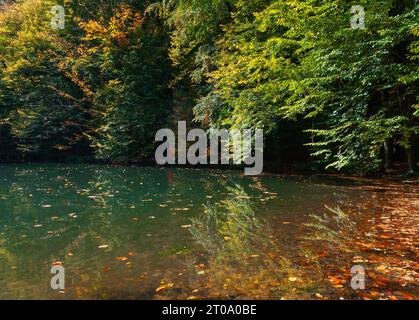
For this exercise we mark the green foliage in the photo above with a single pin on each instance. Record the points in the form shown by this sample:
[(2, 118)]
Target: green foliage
[(296, 59), (40, 105), (124, 61), (102, 82), (121, 70), (351, 80)]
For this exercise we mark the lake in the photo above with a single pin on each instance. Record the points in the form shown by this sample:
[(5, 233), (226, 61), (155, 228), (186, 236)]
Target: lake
[(157, 233)]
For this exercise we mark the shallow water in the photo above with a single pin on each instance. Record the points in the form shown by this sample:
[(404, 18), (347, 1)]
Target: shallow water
[(121, 233)]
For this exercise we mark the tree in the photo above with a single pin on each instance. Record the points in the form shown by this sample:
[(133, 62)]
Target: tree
[(124, 62), (42, 108), (294, 59), (354, 80)]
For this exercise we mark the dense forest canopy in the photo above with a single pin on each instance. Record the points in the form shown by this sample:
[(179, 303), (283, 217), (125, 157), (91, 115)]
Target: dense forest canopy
[(329, 96)]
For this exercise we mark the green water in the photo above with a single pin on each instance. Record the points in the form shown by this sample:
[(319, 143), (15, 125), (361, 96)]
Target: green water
[(86, 216)]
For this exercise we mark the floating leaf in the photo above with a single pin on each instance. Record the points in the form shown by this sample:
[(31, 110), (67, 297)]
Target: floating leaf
[(164, 287), (121, 258)]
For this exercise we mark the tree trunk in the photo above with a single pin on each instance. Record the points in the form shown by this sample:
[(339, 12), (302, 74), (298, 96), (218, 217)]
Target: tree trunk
[(388, 154), (411, 157)]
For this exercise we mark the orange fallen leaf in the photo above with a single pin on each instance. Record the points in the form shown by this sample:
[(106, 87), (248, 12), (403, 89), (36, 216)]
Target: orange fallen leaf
[(337, 282), (121, 258), (365, 297), (407, 296), (375, 293)]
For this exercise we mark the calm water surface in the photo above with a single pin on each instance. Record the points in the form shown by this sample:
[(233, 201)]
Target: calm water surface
[(120, 232)]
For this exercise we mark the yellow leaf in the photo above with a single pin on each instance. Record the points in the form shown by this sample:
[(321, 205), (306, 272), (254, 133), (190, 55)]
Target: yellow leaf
[(164, 287)]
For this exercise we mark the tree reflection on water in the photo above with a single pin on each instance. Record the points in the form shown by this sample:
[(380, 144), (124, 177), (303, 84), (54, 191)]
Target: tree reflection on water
[(244, 259)]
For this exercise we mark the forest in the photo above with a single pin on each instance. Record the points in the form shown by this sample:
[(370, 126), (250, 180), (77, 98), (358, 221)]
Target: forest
[(330, 97), (88, 88)]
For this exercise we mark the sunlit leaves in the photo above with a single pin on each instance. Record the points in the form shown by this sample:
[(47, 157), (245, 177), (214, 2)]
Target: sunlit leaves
[(43, 107), (127, 54), (294, 59)]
